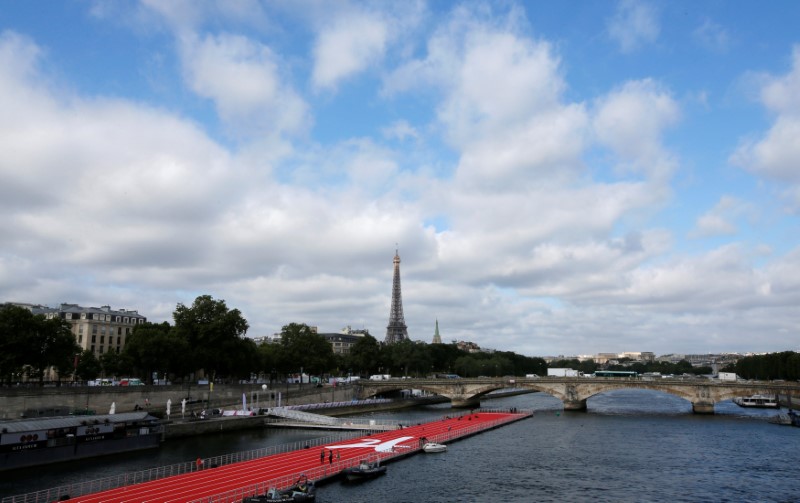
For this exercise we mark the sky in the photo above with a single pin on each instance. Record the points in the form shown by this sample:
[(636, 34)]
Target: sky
[(558, 178)]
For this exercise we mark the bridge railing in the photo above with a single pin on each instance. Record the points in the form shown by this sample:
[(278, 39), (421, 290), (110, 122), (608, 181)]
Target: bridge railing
[(108, 483)]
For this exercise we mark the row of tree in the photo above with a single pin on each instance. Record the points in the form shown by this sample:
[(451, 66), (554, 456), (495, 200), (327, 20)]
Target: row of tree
[(31, 344), (784, 365), (209, 337)]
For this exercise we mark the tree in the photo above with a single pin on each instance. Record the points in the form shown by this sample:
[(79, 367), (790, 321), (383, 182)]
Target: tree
[(209, 328), (16, 325), (303, 349), (88, 366), (364, 355), (51, 344), (157, 348)]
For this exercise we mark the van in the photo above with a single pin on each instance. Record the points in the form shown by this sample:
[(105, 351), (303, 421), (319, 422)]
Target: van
[(130, 381)]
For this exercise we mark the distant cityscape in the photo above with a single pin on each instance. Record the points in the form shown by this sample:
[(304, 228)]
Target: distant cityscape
[(103, 329)]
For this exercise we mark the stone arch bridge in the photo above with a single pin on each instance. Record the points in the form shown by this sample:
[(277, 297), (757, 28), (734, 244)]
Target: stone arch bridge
[(574, 391)]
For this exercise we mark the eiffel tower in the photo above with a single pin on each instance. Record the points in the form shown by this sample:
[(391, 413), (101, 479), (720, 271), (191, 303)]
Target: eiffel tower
[(396, 331)]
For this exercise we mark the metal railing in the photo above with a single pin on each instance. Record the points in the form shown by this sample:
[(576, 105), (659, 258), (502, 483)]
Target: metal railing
[(126, 479), (328, 471)]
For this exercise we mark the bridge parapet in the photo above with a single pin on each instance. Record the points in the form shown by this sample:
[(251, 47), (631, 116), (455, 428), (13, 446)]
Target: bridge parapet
[(574, 391)]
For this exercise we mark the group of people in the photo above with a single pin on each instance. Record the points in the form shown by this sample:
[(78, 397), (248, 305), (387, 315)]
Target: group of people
[(330, 456)]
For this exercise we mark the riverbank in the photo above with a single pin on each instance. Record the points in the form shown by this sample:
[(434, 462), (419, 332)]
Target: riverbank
[(188, 427)]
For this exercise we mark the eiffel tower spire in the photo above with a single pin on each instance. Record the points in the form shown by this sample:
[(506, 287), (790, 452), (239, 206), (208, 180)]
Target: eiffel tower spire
[(396, 331)]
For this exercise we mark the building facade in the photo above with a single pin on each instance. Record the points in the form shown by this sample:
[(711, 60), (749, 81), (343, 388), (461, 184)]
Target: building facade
[(97, 329)]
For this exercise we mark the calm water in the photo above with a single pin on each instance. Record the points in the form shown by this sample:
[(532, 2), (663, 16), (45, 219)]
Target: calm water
[(632, 445)]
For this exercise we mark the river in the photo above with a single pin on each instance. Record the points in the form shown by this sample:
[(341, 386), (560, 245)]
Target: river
[(631, 445)]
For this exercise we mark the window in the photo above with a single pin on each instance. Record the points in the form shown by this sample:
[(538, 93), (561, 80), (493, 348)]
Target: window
[(117, 318), (80, 338), (83, 316), (92, 349), (94, 339), (94, 329), (102, 339), (67, 316), (127, 320), (119, 330), (100, 350)]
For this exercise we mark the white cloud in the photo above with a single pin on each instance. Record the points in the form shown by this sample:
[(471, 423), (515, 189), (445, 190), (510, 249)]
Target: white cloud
[(242, 77), (718, 221), (400, 130), (712, 36), (349, 44), (635, 23), (631, 120), (774, 155)]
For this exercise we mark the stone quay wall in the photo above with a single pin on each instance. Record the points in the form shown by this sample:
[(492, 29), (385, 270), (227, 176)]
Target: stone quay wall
[(18, 402)]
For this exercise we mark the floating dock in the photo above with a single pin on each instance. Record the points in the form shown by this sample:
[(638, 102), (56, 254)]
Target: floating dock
[(229, 483)]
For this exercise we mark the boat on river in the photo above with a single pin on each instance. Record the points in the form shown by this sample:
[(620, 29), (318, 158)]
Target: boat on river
[(303, 491), (39, 441), (364, 470), (434, 447), (759, 401)]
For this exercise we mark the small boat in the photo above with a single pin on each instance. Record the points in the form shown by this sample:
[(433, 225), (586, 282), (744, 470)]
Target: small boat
[(760, 401), (434, 447), (363, 471), (302, 491)]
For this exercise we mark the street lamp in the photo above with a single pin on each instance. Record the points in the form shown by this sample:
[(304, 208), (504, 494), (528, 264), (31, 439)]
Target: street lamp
[(263, 390)]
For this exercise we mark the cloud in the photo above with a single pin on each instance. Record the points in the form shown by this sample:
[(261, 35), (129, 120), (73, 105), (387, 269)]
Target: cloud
[(774, 155), (347, 45), (712, 36), (242, 78), (631, 120), (634, 24), (718, 221), (400, 130)]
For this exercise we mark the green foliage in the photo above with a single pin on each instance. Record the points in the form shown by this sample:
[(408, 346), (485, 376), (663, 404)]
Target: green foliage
[(50, 343), (300, 348), (16, 325), (89, 366), (365, 356), (664, 368), (214, 335), (784, 365)]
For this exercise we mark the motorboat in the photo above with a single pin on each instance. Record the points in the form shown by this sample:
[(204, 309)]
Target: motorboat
[(434, 447), (303, 491), (760, 401), (364, 470)]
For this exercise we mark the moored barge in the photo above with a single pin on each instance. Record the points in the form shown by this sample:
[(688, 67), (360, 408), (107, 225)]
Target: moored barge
[(33, 442)]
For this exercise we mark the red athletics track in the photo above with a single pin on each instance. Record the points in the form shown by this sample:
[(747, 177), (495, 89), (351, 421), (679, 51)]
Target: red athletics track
[(288, 466)]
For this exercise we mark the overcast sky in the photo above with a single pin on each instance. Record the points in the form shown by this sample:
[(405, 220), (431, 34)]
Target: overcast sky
[(560, 178)]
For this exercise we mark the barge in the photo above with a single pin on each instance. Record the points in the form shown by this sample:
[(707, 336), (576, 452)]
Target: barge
[(33, 442)]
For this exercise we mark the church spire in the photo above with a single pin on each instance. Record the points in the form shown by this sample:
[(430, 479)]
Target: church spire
[(437, 339)]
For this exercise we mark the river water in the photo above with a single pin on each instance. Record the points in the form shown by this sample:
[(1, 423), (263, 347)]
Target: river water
[(631, 445)]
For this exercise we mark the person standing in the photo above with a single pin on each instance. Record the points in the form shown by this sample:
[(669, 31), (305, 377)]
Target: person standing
[(330, 457), (322, 456)]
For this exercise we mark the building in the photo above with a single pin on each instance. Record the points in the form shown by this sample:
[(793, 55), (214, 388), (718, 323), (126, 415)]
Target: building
[(396, 331), (98, 329), (342, 341), (437, 339)]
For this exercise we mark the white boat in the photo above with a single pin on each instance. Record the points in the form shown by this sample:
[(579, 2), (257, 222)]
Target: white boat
[(434, 447), (762, 401)]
